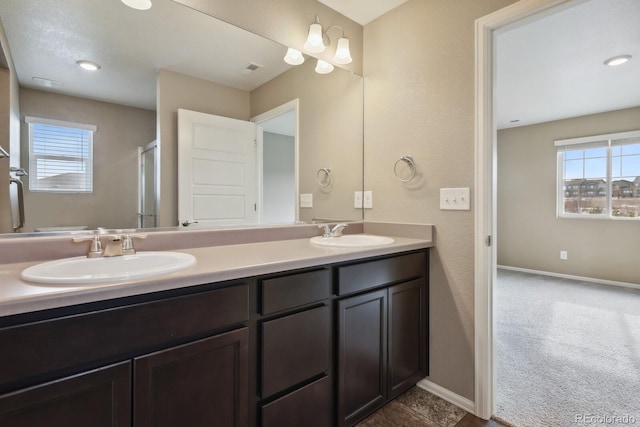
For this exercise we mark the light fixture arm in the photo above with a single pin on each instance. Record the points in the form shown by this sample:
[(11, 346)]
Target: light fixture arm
[(325, 36)]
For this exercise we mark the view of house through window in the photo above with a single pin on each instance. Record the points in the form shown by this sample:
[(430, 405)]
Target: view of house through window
[(60, 156), (599, 176)]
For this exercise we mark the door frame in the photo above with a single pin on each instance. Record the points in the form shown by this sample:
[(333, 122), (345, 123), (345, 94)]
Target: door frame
[(485, 184), (293, 105)]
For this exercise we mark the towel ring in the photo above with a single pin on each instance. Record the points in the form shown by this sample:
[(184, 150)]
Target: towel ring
[(324, 178), (412, 165)]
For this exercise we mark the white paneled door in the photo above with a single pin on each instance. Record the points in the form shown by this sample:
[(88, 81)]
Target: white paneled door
[(217, 170)]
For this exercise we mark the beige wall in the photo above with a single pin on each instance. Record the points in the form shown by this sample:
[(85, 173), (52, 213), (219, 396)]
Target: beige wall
[(121, 130), (330, 110), (180, 91), (286, 22), (419, 101), (529, 234)]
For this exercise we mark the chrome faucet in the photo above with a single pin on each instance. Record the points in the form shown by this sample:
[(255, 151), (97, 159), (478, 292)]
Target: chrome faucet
[(336, 231), (116, 245)]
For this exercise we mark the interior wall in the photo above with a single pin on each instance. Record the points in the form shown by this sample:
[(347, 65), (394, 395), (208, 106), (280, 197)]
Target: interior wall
[(279, 179), (121, 130), (529, 235), (287, 23), (330, 131), (176, 91), (419, 101)]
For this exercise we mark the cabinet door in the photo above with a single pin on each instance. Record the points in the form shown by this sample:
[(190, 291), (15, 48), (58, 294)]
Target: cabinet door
[(203, 383), (100, 398), (362, 360), (407, 335)]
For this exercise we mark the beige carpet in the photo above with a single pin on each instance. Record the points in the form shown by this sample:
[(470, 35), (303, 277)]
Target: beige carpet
[(568, 352)]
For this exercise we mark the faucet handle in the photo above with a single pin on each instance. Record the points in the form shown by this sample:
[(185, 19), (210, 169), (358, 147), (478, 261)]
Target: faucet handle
[(127, 243), (326, 230), (95, 249)]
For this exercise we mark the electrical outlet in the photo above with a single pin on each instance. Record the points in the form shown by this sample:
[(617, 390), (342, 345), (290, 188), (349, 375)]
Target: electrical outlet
[(306, 200), (368, 200), (455, 199), (357, 200), (563, 255)]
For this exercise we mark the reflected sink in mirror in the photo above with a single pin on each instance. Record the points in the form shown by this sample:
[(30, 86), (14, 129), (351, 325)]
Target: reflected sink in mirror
[(83, 270), (352, 241)]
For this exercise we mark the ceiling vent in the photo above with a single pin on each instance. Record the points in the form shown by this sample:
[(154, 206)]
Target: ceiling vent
[(53, 84), (251, 68)]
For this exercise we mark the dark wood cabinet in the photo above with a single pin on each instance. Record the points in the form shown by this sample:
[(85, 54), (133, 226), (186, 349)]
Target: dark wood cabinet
[(383, 333), (98, 398), (362, 360), (314, 347), (203, 383)]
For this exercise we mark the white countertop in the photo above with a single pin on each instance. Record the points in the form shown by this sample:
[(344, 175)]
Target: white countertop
[(214, 264)]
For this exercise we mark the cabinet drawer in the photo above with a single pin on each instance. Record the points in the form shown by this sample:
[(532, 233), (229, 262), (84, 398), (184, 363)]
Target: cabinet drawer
[(295, 348), (309, 407), (36, 348), (288, 292), (366, 275)]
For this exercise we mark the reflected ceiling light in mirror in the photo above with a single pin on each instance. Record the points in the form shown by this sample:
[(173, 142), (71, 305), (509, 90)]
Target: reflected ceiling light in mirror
[(138, 4), (293, 57), (323, 67), (617, 60), (89, 65)]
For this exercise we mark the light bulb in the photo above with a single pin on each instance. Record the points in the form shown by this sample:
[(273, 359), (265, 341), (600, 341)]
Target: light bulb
[(343, 55), (323, 67), (293, 57), (314, 43), (88, 65)]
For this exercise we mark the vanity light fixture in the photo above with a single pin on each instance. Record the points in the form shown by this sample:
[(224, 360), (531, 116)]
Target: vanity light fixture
[(293, 57), (617, 60), (323, 67), (89, 65), (138, 4), (317, 40)]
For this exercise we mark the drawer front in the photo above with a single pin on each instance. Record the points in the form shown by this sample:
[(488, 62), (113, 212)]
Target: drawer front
[(295, 348), (309, 407), (288, 292), (366, 275), (41, 347)]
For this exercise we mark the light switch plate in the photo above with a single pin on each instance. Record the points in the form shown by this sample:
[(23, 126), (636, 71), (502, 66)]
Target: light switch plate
[(306, 200), (455, 199), (367, 199), (357, 200)]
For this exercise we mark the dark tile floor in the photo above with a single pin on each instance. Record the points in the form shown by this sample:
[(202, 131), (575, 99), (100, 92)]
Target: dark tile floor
[(418, 408)]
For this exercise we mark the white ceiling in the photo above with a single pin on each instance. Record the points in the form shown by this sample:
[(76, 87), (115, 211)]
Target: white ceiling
[(553, 68), (362, 11)]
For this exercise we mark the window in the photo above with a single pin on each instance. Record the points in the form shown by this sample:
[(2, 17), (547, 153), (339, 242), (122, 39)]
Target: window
[(599, 176), (60, 156)]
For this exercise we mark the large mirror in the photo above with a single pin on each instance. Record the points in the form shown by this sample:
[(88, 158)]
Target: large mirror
[(152, 64)]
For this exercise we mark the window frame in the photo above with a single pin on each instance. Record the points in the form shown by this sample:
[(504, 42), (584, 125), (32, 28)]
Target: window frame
[(92, 129), (594, 141)]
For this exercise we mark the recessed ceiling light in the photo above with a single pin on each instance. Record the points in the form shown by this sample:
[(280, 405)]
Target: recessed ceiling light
[(617, 60), (88, 65), (138, 4)]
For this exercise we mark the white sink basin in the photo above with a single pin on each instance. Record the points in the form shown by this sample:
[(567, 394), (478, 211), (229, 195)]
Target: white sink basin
[(352, 241), (83, 270)]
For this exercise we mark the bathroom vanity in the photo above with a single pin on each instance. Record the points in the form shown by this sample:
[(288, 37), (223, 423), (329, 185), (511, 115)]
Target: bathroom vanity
[(324, 342)]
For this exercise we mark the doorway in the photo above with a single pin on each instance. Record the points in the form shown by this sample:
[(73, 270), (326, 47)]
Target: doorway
[(147, 185), (278, 160)]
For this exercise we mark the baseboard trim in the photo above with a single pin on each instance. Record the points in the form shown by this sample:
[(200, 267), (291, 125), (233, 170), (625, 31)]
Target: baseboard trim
[(572, 277), (448, 395)]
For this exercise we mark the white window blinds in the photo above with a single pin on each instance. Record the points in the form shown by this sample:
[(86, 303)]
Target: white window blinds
[(60, 156)]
